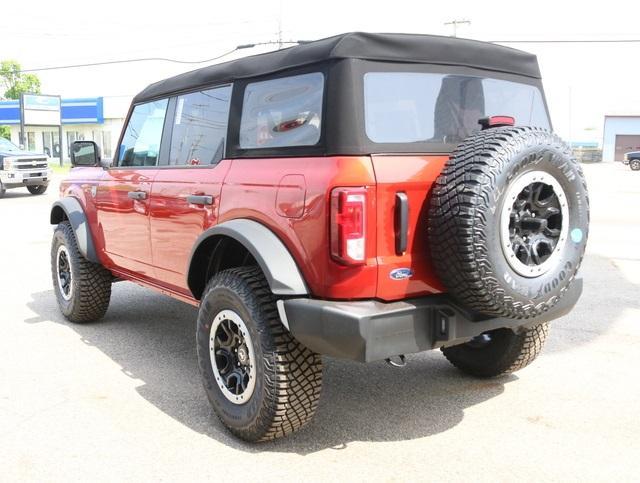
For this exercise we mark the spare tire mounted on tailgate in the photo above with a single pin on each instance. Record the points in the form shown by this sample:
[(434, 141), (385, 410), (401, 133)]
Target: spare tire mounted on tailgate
[(508, 224)]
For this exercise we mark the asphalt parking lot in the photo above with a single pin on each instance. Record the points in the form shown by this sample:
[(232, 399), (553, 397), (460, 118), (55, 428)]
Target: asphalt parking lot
[(122, 399)]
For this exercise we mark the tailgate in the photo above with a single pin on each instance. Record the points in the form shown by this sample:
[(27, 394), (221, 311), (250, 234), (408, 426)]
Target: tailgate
[(404, 184)]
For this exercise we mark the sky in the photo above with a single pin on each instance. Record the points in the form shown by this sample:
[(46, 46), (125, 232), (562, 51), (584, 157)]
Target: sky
[(583, 82)]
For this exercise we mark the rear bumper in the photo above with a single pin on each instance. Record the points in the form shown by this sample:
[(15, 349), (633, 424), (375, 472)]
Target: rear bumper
[(370, 330)]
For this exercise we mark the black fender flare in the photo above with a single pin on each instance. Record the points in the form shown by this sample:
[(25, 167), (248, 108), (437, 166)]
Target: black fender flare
[(273, 257), (71, 209)]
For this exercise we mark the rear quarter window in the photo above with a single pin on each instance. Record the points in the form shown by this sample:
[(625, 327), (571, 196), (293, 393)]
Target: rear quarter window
[(282, 112), (408, 107)]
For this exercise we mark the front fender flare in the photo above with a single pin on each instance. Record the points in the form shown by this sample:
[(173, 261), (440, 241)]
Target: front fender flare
[(71, 209), (273, 257)]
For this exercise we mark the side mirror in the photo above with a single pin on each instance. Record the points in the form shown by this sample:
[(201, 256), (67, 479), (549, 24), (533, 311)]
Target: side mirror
[(85, 153)]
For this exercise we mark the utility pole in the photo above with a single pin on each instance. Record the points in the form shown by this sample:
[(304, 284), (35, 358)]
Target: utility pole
[(569, 140), (280, 26), (455, 24)]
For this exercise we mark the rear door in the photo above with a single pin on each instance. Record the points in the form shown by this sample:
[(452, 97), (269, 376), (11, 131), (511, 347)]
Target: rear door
[(422, 113), (403, 185), (122, 197), (186, 191)]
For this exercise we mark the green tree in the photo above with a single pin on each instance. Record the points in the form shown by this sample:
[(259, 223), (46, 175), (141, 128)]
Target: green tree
[(16, 82), (13, 84)]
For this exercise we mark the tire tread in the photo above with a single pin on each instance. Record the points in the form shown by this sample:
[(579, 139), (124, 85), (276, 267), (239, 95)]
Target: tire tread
[(520, 351), (92, 289), (459, 210), (293, 379)]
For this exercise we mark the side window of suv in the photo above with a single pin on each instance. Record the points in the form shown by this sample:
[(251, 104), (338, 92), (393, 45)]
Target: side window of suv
[(141, 141), (282, 112), (200, 127)]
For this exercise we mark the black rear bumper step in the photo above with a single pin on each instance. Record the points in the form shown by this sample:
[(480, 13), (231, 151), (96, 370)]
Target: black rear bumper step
[(371, 330)]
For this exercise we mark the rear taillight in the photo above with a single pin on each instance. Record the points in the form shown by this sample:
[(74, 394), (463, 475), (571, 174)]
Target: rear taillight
[(348, 218)]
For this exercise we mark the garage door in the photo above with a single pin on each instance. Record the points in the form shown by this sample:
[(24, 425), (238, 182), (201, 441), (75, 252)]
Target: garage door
[(626, 143)]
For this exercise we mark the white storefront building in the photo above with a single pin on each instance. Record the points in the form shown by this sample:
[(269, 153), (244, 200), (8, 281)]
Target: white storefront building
[(99, 119), (621, 135)]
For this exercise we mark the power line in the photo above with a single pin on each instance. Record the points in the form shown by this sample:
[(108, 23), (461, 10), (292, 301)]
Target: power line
[(559, 41), (157, 59), (126, 61), (280, 43)]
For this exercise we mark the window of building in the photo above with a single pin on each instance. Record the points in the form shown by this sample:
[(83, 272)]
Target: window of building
[(97, 138), (51, 144), (31, 141), (141, 141), (47, 143), (71, 137), (103, 140), (106, 144), (200, 127), (282, 112), (406, 107)]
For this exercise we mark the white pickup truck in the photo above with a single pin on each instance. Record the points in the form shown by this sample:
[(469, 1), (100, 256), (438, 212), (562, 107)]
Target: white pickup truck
[(19, 168)]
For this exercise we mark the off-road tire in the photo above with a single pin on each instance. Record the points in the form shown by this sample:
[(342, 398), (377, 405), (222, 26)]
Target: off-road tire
[(288, 375), (506, 352), (464, 221), (91, 282), (38, 189), (634, 164)]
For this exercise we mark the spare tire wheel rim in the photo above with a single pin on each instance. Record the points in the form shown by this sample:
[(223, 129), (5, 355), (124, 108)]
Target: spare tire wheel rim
[(232, 357), (534, 223), (63, 269)]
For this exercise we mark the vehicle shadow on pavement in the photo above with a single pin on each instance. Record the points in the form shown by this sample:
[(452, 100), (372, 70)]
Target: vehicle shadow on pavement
[(151, 337), (17, 193)]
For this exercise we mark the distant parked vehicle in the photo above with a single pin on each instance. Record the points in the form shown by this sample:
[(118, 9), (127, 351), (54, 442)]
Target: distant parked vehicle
[(20, 168), (633, 160)]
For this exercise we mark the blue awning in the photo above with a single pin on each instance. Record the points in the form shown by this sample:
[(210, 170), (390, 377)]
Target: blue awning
[(87, 110), (9, 112)]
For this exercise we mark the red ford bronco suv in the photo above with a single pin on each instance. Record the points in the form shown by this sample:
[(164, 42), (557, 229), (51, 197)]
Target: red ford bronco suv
[(363, 196)]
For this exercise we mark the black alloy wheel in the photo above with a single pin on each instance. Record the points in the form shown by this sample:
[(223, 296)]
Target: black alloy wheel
[(534, 222)]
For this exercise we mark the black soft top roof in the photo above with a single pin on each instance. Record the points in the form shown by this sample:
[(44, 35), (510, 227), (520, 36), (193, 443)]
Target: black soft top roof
[(405, 48)]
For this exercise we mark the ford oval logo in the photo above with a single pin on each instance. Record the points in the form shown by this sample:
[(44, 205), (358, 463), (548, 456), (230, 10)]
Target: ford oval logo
[(400, 273)]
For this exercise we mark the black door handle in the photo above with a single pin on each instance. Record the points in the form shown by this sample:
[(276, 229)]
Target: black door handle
[(137, 195), (200, 199), (402, 222)]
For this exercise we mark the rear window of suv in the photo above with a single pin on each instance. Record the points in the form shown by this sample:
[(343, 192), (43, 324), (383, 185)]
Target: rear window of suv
[(408, 107), (282, 112)]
